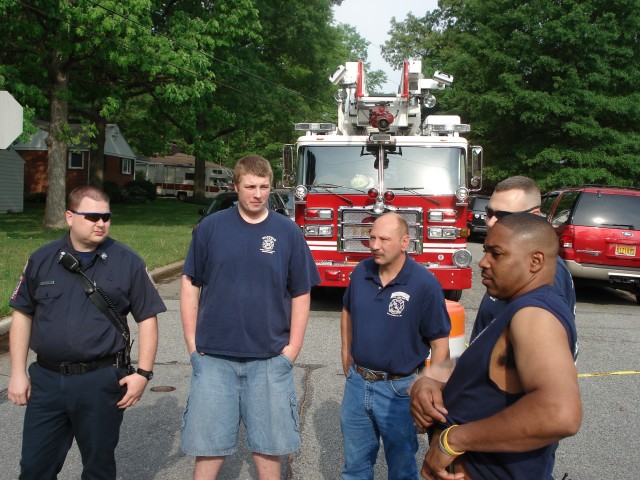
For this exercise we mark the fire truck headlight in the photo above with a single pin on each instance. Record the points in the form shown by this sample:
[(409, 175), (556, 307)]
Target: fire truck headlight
[(461, 194), (301, 192), (448, 233), (318, 230), (462, 258)]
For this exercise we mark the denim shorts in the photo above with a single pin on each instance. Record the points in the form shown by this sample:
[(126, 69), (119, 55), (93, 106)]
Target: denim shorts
[(227, 390)]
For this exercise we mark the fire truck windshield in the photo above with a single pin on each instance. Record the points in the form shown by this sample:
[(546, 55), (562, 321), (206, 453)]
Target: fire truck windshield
[(430, 170)]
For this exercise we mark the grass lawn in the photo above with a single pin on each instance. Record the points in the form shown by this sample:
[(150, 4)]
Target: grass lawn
[(160, 231)]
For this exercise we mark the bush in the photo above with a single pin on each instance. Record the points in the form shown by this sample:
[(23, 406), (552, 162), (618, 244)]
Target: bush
[(113, 190), (39, 197), (139, 191)]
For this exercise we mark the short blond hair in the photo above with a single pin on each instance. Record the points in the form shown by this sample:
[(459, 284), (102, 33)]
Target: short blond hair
[(252, 165)]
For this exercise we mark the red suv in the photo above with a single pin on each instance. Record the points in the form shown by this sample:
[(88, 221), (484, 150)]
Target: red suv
[(599, 233)]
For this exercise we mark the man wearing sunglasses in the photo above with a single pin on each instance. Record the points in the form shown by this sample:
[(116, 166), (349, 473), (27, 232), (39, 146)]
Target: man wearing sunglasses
[(518, 194), (78, 387)]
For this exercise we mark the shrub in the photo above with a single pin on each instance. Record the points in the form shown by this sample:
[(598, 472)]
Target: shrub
[(113, 190), (139, 191)]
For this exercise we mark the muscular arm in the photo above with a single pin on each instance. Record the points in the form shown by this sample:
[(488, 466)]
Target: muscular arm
[(346, 333), (300, 307), (189, 299), (147, 348), (551, 408), (19, 388)]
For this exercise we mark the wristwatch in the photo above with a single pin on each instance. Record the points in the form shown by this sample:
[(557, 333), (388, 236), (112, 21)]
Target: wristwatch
[(145, 373)]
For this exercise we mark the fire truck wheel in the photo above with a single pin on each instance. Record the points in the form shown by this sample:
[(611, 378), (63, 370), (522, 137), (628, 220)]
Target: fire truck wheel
[(182, 196), (454, 295)]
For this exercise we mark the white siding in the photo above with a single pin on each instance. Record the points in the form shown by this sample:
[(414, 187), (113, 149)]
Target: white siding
[(11, 182)]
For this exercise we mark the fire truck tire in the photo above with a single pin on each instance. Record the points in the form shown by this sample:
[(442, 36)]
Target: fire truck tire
[(182, 196), (454, 295)]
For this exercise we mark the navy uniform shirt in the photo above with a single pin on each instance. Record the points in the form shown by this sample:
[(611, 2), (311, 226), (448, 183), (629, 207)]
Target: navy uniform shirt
[(393, 325), (67, 325)]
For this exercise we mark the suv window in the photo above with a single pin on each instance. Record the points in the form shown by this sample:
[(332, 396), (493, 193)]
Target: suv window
[(479, 203), (603, 210), (564, 207)]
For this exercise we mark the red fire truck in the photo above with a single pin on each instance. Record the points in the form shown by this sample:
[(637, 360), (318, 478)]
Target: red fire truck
[(381, 157)]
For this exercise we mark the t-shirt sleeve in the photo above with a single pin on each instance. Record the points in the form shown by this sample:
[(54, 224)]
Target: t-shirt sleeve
[(303, 273)]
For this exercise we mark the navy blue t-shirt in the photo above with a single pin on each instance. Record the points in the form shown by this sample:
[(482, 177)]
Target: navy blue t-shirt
[(392, 325), (67, 325), (248, 274), (491, 307), (470, 395)]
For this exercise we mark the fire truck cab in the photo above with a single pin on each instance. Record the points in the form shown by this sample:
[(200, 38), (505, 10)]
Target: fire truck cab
[(382, 157)]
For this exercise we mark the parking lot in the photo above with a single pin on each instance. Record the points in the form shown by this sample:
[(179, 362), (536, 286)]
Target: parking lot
[(608, 364)]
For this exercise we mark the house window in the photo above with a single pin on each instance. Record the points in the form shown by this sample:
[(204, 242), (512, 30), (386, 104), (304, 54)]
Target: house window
[(76, 161), (126, 166)]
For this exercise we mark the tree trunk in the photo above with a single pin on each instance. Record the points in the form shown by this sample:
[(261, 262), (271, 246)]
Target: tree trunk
[(55, 206), (96, 175)]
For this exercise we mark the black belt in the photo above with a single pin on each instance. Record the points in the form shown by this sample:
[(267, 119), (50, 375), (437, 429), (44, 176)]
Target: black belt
[(68, 368), (377, 376)]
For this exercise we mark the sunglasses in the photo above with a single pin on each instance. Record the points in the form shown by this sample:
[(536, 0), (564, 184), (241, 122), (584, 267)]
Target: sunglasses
[(499, 214), (94, 216)]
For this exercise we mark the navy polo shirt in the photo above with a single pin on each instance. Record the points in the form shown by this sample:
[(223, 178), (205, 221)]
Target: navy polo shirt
[(393, 325), (67, 325)]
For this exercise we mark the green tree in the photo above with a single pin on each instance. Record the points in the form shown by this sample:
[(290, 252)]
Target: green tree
[(551, 88)]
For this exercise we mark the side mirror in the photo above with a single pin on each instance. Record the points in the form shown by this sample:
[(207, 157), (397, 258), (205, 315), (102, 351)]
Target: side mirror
[(288, 175), (475, 182)]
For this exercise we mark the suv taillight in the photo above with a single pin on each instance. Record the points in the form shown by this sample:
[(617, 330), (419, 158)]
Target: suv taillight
[(566, 243), (470, 217)]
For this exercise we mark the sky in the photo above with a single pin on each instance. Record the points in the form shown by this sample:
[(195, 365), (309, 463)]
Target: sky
[(372, 20)]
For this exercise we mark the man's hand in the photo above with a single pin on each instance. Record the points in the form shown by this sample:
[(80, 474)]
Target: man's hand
[(291, 352), (19, 389), (436, 463), (135, 388), (427, 406)]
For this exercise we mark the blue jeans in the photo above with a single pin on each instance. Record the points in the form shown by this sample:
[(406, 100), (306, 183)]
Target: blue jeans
[(371, 410)]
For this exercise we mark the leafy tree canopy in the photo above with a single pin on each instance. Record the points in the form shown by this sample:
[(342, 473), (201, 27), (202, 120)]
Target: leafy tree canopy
[(550, 87)]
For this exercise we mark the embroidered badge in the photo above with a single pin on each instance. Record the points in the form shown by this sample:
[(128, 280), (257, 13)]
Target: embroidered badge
[(268, 244), (14, 295), (397, 303)]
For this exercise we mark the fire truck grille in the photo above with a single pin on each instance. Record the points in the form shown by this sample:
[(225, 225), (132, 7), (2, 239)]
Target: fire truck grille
[(354, 225)]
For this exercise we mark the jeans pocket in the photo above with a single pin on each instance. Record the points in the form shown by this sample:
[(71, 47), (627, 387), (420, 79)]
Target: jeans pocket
[(401, 386)]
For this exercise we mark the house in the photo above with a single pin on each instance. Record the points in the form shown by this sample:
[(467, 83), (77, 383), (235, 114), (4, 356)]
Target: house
[(119, 159), (11, 181), (173, 175)]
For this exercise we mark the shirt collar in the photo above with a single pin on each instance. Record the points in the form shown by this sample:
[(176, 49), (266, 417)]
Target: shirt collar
[(402, 278)]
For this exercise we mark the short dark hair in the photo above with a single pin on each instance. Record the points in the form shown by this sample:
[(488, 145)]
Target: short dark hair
[(253, 165), (533, 229), (519, 182), (86, 191)]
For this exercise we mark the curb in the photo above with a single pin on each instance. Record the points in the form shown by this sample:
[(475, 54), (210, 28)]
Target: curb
[(159, 274)]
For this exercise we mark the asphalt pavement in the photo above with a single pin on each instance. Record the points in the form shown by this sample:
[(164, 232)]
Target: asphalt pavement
[(608, 366)]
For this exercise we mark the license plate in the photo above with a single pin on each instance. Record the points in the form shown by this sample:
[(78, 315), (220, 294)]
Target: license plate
[(358, 231), (626, 250)]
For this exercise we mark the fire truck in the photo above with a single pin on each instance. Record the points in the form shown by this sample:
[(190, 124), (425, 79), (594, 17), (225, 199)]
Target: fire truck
[(381, 157)]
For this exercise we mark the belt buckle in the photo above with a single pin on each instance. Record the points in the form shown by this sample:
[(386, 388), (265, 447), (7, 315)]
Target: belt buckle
[(65, 368), (369, 376)]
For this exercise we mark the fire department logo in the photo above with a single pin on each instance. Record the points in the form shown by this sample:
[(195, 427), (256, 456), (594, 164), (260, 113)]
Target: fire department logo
[(397, 303), (268, 244)]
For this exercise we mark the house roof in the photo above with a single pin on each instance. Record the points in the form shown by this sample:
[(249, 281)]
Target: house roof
[(114, 145), (183, 160)]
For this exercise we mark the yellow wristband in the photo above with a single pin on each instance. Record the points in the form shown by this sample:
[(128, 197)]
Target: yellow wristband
[(444, 444)]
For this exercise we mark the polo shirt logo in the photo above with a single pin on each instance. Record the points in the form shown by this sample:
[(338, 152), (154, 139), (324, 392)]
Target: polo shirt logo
[(396, 305), (268, 244)]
